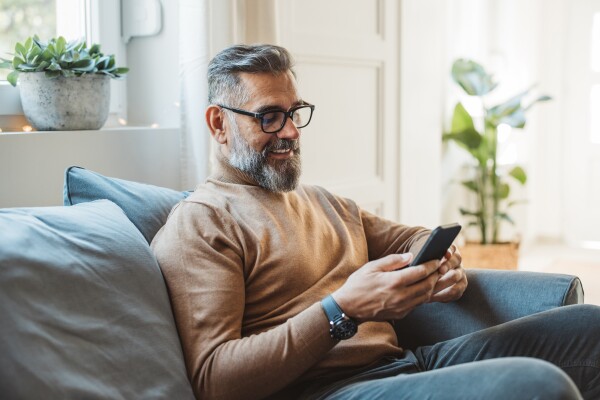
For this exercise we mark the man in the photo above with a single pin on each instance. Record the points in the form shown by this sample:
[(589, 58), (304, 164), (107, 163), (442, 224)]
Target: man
[(257, 265)]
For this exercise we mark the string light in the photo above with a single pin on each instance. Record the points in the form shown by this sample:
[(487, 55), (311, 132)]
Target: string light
[(154, 125), (27, 128), (122, 121)]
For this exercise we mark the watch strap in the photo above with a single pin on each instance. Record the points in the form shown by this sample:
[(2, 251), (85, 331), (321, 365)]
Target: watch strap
[(332, 309)]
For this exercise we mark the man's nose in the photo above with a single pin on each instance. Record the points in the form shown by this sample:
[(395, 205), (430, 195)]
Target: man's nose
[(289, 130)]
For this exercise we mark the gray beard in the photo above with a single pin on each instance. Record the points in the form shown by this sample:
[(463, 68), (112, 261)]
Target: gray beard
[(277, 176)]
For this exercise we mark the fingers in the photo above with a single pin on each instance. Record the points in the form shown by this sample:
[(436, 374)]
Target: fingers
[(392, 262), (397, 262), (381, 291), (451, 260), (451, 286)]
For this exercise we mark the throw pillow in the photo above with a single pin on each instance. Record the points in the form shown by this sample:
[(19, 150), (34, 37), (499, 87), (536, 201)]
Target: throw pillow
[(83, 308), (147, 206)]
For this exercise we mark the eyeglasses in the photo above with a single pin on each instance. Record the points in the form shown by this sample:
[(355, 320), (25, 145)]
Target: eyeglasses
[(274, 120)]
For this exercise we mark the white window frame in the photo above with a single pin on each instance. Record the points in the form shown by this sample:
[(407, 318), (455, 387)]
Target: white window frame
[(97, 19)]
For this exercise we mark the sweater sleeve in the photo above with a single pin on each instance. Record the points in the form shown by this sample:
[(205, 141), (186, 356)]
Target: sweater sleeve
[(386, 237), (201, 255)]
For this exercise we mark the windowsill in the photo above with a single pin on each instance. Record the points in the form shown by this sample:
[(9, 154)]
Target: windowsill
[(18, 125), (105, 129)]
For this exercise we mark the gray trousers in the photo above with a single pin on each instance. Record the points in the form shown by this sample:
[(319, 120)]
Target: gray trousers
[(554, 354)]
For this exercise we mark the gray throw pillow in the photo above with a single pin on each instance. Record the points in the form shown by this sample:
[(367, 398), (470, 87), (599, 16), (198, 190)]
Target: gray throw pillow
[(147, 206), (84, 311)]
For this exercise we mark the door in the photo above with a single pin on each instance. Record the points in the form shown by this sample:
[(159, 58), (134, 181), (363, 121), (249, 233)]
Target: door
[(346, 61)]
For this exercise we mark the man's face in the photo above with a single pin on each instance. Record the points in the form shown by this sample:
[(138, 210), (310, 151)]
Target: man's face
[(273, 160)]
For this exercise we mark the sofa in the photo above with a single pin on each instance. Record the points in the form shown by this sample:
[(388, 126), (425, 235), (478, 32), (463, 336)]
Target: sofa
[(84, 311)]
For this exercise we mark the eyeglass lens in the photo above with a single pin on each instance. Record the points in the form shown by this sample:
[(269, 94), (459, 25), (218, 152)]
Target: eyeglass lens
[(274, 121)]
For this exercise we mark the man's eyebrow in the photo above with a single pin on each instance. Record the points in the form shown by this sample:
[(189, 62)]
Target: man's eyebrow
[(272, 107)]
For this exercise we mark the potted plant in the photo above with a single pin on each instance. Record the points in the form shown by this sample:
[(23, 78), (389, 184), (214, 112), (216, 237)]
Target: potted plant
[(490, 183), (63, 85)]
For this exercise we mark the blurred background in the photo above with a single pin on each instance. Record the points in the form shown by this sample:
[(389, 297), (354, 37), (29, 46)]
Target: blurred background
[(378, 72)]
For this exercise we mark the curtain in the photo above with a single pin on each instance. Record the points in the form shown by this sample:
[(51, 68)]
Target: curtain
[(194, 52)]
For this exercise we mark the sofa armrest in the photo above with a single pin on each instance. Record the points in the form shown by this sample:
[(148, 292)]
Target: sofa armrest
[(492, 297)]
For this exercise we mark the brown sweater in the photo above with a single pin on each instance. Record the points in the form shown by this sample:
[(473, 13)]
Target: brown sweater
[(246, 270)]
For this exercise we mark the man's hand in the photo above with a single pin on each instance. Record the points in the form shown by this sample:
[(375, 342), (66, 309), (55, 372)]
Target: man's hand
[(383, 289), (453, 279)]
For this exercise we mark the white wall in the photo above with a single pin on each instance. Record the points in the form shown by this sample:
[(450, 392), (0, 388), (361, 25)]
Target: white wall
[(153, 80)]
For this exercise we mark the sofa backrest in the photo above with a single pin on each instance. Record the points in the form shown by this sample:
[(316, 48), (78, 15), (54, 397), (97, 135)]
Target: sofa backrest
[(84, 309)]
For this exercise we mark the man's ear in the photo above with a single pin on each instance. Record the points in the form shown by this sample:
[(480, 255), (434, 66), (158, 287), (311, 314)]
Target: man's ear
[(216, 123)]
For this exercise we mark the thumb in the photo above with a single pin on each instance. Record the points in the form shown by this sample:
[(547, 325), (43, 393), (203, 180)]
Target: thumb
[(393, 262)]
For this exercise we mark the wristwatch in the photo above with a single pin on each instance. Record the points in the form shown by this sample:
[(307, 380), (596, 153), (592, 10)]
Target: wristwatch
[(341, 327)]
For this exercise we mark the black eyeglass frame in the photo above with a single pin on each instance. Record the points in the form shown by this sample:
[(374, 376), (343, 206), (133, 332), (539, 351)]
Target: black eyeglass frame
[(289, 114)]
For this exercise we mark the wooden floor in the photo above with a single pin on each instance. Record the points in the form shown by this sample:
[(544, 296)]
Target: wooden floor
[(584, 263)]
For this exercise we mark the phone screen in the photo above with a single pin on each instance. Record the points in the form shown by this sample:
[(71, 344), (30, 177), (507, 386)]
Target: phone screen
[(439, 241)]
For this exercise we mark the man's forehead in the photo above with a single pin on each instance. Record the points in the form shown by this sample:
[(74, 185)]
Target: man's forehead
[(266, 87)]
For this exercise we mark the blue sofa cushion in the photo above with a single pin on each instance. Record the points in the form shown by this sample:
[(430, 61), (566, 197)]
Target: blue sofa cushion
[(84, 311), (147, 206)]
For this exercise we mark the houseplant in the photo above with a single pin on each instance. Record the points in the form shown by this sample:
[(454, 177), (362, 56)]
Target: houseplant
[(490, 183), (64, 85)]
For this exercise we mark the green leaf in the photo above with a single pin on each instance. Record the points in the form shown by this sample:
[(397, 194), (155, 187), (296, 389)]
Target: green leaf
[(95, 49), (42, 66), (83, 65), (54, 66), (28, 44), (515, 120), (12, 78), (505, 217), (516, 202), (503, 190), (52, 74), (507, 108), (463, 130), (471, 185), (121, 71), (20, 50), (52, 50), (17, 61), (5, 64), (27, 67), (47, 55), (470, 213), (38, 42), (34, 52), (472, 78), (541, 98), (461, 119), (519, 174), (61, 45)]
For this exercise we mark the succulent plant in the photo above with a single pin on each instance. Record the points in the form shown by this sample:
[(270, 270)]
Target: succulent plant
[(57, 57)]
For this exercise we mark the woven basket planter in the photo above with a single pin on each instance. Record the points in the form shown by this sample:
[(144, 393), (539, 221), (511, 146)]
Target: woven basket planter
[(490, 256)]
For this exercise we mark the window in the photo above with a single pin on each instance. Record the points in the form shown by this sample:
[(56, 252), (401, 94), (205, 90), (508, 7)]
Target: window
[(19, 19), (92, 19)]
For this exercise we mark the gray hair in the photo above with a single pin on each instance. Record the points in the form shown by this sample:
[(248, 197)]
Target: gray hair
[(224, 84)]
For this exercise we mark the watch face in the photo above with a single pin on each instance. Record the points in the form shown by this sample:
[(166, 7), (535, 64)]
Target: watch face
[(344, 329)]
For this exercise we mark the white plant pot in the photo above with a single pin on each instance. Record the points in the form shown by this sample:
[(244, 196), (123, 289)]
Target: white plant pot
[(65, 104)]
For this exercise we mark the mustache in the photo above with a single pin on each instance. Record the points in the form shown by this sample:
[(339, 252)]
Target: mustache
[(283, 144)]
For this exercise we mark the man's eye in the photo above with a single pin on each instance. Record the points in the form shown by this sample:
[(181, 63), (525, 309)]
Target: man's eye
[(272, 118)]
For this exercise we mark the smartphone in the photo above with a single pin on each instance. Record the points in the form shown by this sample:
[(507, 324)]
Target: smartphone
[(438, 242)]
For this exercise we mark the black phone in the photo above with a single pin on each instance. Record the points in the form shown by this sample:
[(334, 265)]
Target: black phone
[(438, 242)]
